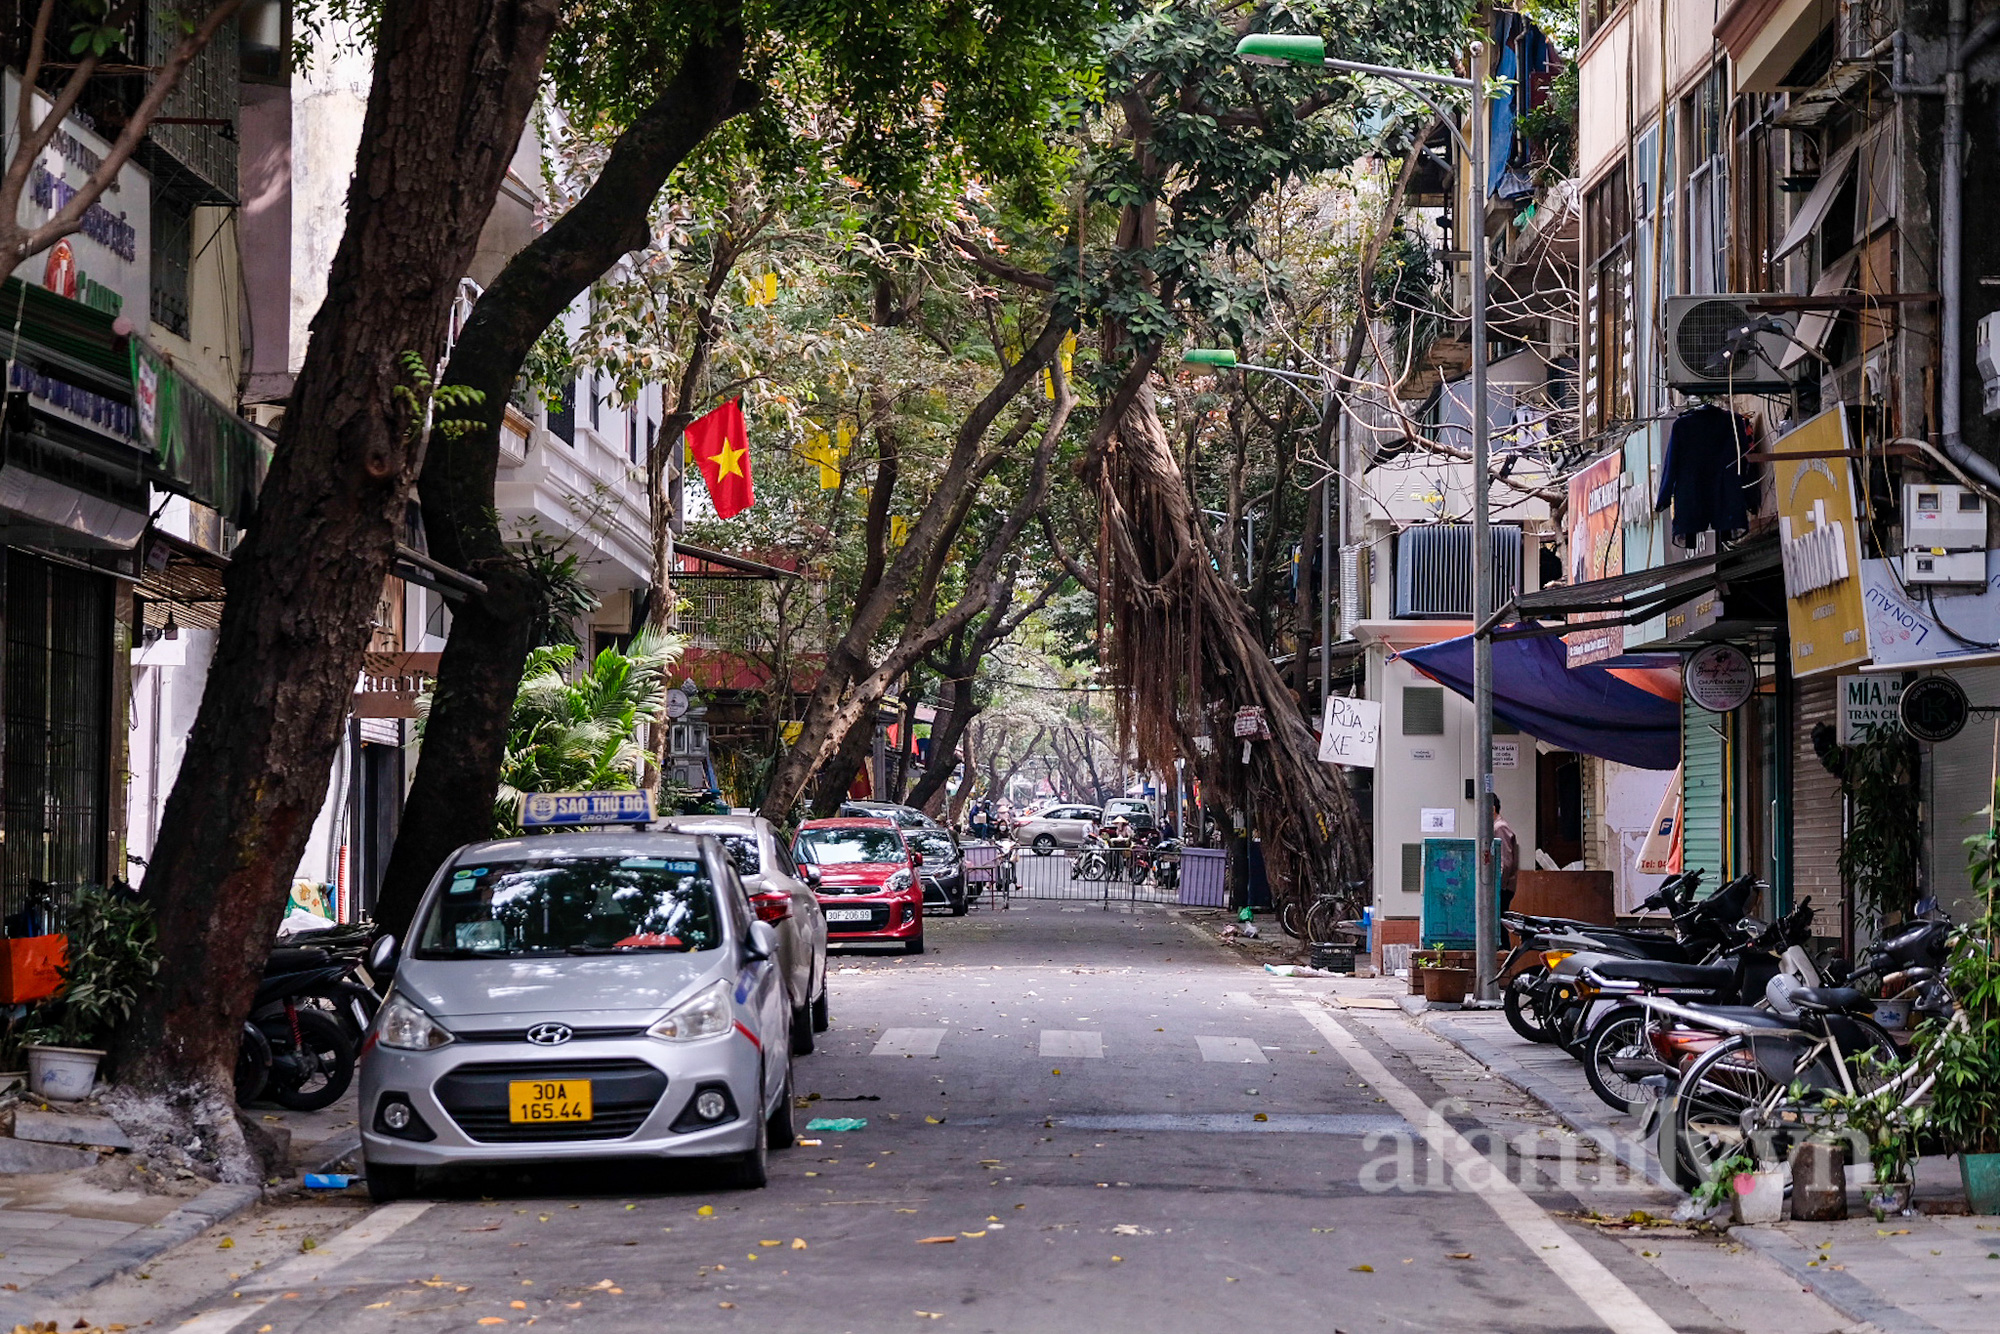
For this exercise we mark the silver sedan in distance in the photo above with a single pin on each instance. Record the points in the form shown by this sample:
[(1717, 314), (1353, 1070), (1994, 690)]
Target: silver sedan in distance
[(579, 995)]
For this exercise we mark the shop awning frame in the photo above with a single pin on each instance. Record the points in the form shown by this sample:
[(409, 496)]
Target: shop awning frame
[(1628, 599)]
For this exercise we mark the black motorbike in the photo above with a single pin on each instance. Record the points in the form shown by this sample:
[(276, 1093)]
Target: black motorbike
[(300, 1043)]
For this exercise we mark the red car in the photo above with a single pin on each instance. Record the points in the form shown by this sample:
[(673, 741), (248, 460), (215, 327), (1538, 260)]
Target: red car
[(868, 886)]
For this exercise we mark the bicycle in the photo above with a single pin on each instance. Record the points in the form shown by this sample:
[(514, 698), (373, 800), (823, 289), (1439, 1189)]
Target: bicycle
[(1332, 915)]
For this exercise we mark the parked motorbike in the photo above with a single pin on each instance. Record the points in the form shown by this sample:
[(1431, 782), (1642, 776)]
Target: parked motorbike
[(1619, 1056), (1530, 998), (306, 1023)]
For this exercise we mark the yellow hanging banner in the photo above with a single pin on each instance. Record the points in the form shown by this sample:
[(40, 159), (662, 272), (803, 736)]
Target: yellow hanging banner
[(1819, 540)]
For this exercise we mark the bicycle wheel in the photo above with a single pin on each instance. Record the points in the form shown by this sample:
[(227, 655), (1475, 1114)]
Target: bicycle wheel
[(1292, 918), (1719, 1108), (1323, 921)]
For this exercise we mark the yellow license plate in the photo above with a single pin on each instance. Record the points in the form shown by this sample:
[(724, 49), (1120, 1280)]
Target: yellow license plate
[(539, 1100)]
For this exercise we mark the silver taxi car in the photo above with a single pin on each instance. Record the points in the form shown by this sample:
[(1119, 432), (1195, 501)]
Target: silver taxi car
[(574, 996)]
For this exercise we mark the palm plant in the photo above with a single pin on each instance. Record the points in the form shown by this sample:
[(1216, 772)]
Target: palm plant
[(581, 735)]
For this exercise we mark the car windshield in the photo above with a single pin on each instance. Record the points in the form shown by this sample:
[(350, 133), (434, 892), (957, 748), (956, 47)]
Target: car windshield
[(934, 846), (848, 847), (573, 905)]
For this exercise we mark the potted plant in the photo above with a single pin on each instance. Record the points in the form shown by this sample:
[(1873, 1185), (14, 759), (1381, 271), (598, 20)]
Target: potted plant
[(1754, 1194), (1444, 982), (1965, 1103), (1874, 1119), (112, 956)]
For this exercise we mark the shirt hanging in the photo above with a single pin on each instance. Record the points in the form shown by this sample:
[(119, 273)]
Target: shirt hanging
[(1704, 477)]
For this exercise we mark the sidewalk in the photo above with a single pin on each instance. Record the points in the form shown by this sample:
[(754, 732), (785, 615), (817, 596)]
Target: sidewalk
[(76, 1211), (1934, 1273)]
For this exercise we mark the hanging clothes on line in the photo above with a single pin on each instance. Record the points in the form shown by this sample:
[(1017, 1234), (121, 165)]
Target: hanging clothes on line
[(1705, 477)]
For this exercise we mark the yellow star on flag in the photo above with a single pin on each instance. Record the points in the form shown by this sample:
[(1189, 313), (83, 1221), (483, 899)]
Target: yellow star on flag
[(728, 462)]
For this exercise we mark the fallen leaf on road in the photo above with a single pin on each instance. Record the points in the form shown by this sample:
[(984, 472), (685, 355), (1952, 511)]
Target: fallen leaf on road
[(308, 1245), (726, 1306), (930, 1315), (932, 1241), (374, 1306), (1118, 1259), (934, 1120), (600, 1285), (980, 1233), (1364, 1269), (798, 1243), (1458, 1255), (630, 1207), (1260, 1117), (493, 1320), (1055, 1072), (770, 1243), (226, 1244), (518, 1306), (706, 1211), (490, 1227)]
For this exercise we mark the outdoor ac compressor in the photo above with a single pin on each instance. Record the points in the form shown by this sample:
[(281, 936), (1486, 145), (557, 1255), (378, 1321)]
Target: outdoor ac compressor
[(1944, 535)]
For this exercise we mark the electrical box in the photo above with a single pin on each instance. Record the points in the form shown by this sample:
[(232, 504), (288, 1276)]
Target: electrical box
[(1944, 535), (1987, 354)]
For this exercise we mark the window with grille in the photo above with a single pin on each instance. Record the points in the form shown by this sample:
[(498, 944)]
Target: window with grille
[(1607, 373), (1413, 868), (562, 415), (173, 260)]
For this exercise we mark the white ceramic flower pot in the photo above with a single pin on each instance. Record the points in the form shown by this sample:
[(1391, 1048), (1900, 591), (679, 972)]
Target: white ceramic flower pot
[(1760, 1196), (63, 1074)]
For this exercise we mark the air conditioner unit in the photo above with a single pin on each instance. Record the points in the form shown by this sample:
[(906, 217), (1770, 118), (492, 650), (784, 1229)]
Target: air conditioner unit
[(1353, 588), (1434, 569), (1944, 535), (1714, 347)]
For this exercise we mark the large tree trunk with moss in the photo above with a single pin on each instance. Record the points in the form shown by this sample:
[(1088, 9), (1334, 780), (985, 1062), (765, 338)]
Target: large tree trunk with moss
[(453, 84), (465, 738)]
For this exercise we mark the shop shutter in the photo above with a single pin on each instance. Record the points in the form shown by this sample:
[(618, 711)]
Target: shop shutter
[(1818, 817), (1957, 785), (1704, 810)]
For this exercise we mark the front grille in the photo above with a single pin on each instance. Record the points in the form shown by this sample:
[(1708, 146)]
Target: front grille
[(521, 1034), (623, 1094), (878, 918)]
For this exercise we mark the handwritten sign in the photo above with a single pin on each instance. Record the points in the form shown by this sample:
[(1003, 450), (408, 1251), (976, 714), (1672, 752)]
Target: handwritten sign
[(543, 809), (1349, 731)]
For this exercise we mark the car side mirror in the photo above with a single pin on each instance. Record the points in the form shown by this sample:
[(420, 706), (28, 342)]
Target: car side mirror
[(382, 956), (762, 942), (916, 859), (812, 876)]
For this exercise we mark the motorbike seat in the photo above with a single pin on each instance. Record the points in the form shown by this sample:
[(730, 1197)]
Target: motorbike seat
[(1656, 972), (296, 959), (1831, 1000)]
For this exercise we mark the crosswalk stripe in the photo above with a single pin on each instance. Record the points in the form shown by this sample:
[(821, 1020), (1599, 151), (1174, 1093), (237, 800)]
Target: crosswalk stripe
[(908, 1042), (1235, 1051), (1084, 1045)]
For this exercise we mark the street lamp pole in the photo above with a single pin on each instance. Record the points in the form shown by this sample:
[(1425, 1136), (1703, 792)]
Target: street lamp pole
[(1309, 50)]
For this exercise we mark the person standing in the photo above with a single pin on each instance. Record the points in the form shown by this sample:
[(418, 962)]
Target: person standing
[(1510, 855)]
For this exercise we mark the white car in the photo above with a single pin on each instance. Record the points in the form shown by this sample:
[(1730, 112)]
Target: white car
[(1064, 826)]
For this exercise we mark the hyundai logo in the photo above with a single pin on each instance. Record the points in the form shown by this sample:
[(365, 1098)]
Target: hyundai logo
[(550, 1035)]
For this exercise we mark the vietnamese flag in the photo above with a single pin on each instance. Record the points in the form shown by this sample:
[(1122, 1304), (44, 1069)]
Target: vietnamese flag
[(719, 445)]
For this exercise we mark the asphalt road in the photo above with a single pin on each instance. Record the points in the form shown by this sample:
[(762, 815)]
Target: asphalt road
[(1076, 1119)]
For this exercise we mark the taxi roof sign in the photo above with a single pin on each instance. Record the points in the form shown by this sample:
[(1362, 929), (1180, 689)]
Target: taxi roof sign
[(542, 810)]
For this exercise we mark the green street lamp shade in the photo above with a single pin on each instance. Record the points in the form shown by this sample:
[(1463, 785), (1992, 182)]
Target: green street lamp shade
[(1209, 356), (1297, 50)]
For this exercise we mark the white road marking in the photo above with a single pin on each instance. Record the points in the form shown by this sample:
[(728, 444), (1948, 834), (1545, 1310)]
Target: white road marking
[(1233, 1051), (311, 1267), (909, 1042), (1622, 1310), (1084, 1045)]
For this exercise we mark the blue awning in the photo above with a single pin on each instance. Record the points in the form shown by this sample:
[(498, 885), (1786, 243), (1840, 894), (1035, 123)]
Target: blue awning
[(1625, 709)]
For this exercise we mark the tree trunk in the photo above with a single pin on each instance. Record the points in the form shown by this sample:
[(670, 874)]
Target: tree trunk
[(465, 738), (453, 84), (837, 778)]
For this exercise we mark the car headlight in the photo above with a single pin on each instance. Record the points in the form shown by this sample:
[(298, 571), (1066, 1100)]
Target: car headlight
[(407, 1026), (702, 1015), (896, 883)]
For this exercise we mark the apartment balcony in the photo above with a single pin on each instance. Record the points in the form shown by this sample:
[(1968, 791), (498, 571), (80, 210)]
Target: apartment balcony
[(585, 490)]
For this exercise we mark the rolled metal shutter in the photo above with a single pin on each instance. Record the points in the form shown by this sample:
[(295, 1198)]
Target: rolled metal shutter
[(1957, 785), (1704, 810), (1818, 814)]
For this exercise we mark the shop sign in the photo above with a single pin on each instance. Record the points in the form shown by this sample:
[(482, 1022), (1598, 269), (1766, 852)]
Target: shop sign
[(107, 264), (1596, 551), (1719, 678), (1349, 731), (1866, 703), (1249, 724), (1818, 543), (1506, 755), (1933, 708), (391, 684), (1916, 626)]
